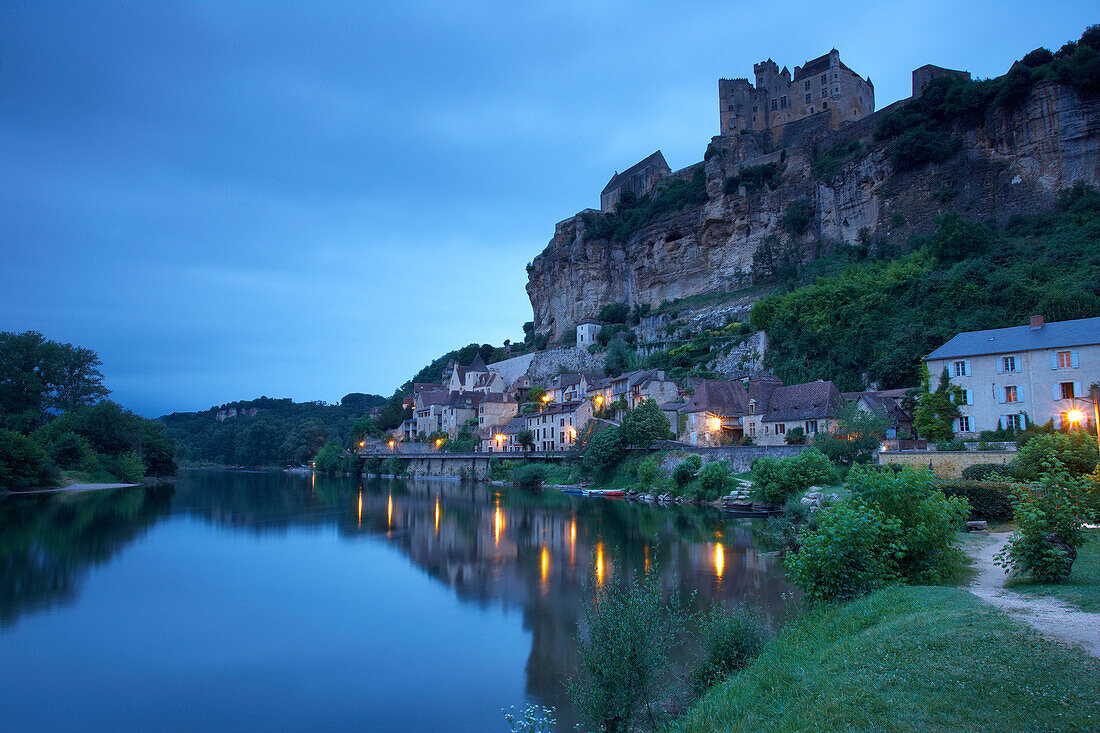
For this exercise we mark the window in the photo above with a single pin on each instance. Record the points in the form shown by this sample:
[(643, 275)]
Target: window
[(1008, 364), (960, 369), (1066, 389), (752, 430), (824, 105), (1065, 359), (808, 97), (752, 407), (824, 93), (807, 85), (811, 426), (754, 108), (1011, 394), (775, 103), (783, 101), (811, 110), (729, 107), (964, 424), (1013, 422), (733, 123), (824, 78), (780, 429)]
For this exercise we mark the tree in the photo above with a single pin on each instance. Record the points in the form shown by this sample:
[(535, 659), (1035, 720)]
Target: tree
[(328, 458), (526, 440), (22, 463), (957, 238), (534, 394), (303, 442), (620, 358), (856, 435), (935, 413), (644, 425), (604, 451), (39, 378)]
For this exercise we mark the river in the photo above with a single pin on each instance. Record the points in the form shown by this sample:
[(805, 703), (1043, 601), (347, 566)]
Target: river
[(266, 600)]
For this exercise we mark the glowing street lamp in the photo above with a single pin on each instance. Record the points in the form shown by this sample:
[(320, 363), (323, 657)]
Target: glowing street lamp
[(438, 443), (391, 445), (715, 424), (362, 444), (1075, 416)]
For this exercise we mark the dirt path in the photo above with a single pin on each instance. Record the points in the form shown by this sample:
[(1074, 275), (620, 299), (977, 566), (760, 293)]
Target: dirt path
[(1048, 615)]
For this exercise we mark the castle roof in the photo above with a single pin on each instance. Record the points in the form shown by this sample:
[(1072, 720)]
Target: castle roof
[(478, 364), (655, 160), (815, 66)]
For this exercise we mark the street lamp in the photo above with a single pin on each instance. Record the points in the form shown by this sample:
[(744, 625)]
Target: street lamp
[(1077, 416), (438, 443), (391, 445)]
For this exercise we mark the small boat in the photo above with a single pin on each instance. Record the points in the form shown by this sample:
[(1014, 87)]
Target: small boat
[(572, 491), (605, 492)]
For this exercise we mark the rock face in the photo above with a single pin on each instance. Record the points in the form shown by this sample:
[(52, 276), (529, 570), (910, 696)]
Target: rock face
[(1016, 161)]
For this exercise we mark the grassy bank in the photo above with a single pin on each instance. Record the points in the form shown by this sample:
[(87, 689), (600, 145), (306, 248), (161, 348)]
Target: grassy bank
[(903, 659), (1082, 589)]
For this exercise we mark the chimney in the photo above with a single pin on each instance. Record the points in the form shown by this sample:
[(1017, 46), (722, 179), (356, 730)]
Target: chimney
[(1036, 322)]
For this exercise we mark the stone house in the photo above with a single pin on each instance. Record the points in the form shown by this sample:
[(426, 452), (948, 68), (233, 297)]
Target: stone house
[(712, 416), (892, 404), (495, 409), (1015, 376), (503, 438), (820, 85), (775, 408), (587, 332), (473, 378), (459, 408), (428, 409), (556, 427), (572, 386), (639, 179)]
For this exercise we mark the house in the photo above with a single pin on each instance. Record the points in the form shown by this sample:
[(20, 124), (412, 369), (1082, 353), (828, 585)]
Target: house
[(712, 416), (495, 409), (460, 407), (638, 179), (473, 378), (569, 387), (1015, 376), (587, 332), (428, 410), (556, 427), (775, 408), (503, 438), (517, 390), (636, 387), (894, 405)]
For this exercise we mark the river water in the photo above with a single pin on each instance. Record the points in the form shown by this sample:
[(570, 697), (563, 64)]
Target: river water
[(256, 601)]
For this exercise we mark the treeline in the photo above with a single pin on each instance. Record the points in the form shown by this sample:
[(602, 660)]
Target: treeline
[(281, 432), (874, 321), (54, 417)]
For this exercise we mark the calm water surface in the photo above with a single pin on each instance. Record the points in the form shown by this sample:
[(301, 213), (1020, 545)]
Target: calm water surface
[(260, 601)]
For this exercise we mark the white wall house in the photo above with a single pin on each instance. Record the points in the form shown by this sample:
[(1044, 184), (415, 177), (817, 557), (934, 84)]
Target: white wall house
[(587, 331), (1012, 377)]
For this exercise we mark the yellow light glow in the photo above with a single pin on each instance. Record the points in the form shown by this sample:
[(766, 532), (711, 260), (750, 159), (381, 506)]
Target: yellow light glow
[(498, 524), (389, 511), (391, 445), (599, 564), (599, 399), (437, 515), (544, 565), (362, 444), (715, 424), (546, 398), (438, 442), (360, 508), (1075, 416), (719, 559), (500, 438), (647, 559)]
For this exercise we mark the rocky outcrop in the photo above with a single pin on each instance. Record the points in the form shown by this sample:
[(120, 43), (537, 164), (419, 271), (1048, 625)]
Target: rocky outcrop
[(1016, 161)]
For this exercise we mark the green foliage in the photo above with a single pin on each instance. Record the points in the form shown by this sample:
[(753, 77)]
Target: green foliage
[(130, 468), (531, 475), (951, 445), (693, 357), (41, 378), (666, 200), (614, 313), (798, 217), (715, 480), (500, 469), (23, 464), (394, 466), (826, 166), (526, 440), (777, 479), (776, 259), (982, 471), (730, 640), (68, 449), (1050, 527), (753, 178), (603, 451), (795, 436), (615, 331), (1075, 453), (107, 429), (624, 654), (935, 413), (327, 459), (957, 238), (649, 471), (684, 473), (373, 465), (991, 501), (850, 553), (644, 425), (620, 358)]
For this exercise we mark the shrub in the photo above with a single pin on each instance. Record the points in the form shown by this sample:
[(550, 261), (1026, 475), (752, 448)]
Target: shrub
[(982, 471), (68, 450), (529, 474), (327, 459), (130, 468), (776, 479), (648, 471), (624, 655), (684, 473), (987, 500), (604, 451), (394, 466), (795, 436), (499, 469), (644, 425), (23, 464), (714, 480), (1075, 451), (851, 553), (730, 640), (953, 445), (373, 465), (1050, 525), (798, 217)]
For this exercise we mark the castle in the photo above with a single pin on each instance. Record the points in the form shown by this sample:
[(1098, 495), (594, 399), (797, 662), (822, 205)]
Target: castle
[(823, 85)]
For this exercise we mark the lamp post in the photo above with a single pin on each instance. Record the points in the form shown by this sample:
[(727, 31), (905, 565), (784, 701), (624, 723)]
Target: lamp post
[(1077, 416)]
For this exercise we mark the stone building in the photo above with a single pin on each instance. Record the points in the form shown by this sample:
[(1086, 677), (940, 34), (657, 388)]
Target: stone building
[(821, 85), (775, 408), (587, 331), (638, 179), (928, 72), (713, 414)]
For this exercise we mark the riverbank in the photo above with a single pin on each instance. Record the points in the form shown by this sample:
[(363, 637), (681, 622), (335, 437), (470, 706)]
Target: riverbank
[(903, 659)]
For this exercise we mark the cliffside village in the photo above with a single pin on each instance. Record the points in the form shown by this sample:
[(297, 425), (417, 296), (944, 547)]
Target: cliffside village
[(1010, 377)]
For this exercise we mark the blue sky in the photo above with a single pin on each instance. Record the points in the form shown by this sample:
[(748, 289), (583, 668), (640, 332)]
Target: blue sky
[(304, 200)]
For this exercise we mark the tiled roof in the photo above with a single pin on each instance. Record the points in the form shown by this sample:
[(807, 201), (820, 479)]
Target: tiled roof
[(620, 179), (1055, 335), (801, 402), (720, 397), (478, 364), (433, 397)]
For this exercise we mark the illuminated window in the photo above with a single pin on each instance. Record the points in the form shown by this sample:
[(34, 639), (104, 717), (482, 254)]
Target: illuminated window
[(1011, 394), (1064, 360), (1067, 390)]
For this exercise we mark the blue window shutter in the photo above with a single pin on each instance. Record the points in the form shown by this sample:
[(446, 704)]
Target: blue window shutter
[(1021, 393), (1077, 390), (1056, 393), (1023, 420), (1001, 395), (967, 362), (1054, 360), (1001, 365), (1003, 422), (1075, 359), (1057, 421), (970, 397)]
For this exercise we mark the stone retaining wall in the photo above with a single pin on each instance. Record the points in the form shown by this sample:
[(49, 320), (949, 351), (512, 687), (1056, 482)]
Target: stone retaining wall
[(945, 464)]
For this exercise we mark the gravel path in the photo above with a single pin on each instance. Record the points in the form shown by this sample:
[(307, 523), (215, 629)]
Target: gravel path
[(1048, 615)]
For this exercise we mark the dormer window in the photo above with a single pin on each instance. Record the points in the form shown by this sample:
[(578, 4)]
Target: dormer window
[(752, 407)]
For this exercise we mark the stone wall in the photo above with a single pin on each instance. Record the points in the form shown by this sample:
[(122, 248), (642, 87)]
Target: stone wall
[(945, 464), (740, 457)]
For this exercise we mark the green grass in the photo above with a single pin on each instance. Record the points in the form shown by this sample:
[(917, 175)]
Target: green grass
[(1083, 587), (906, 659)]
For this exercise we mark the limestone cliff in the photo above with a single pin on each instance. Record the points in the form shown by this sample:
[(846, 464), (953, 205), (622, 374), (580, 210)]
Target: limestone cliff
[(1015, 161)]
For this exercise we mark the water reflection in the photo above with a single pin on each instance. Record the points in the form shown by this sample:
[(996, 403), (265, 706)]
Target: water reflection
[(530, 554)]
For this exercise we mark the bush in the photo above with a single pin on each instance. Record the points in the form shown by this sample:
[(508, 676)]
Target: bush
[(684, 473), (1050, 525), (730, 640), (776, 479), (798, 217), (531, 475), (23, 464), (373, 465), (394, 466), (644, 425), (604, 451), (851, 553), (795, 436), (500, 469), (68, 450), (131, 468), (327, 459), (624, 655), (714, 480), (953, 445), (648, 471), (982, 471), (1075, 451), (987, 500)]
